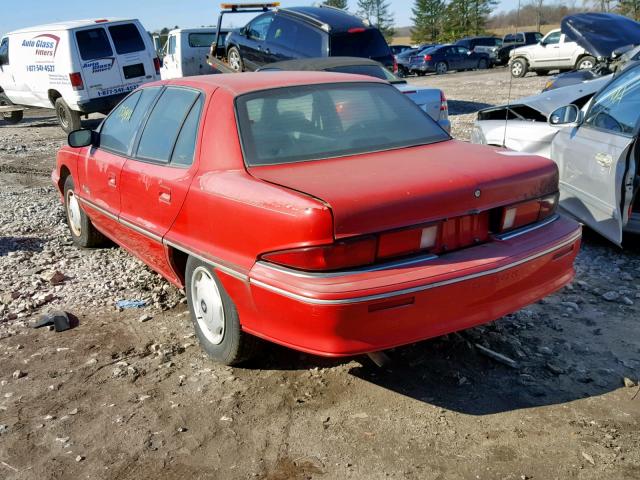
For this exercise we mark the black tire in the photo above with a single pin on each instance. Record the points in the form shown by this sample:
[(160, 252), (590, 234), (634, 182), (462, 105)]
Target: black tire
[(235, 60), (586, 62), (420, 73), (483, 64), (519, 68), (83, 233), (542, 73), (235, 345), (442, 68), (12, 117), (69, 119)]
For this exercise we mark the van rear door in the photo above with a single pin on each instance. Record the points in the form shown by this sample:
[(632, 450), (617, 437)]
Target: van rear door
[(135, 56), (99, 65)]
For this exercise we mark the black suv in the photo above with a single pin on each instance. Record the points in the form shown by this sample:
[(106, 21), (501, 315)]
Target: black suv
[(304, 32), (515, 40), (488, 45)]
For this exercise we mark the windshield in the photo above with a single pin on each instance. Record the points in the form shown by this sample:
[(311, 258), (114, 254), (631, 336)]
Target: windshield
[(376, 71), (366, 43), (314, 122)]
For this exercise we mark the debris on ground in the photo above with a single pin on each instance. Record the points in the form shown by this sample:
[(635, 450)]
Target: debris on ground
[(498, 357)]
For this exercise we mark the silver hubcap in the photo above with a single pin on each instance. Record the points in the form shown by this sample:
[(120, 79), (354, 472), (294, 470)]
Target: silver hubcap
[(73, 213), (207, 305), (586, 65), (516, 69), (234, 60)]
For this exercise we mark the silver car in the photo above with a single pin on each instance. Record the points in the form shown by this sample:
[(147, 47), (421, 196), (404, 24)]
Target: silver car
[(595, 147)]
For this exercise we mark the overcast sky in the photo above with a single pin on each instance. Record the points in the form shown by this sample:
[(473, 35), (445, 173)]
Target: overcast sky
[(154, 14)]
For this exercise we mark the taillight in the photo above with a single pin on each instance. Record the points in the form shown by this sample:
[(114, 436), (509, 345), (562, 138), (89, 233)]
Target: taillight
[(408, 241), (338, 255), (156, 63), (76, 81), (357, 30), (525, 213), (427, 58), (444, 106), (395, 65)]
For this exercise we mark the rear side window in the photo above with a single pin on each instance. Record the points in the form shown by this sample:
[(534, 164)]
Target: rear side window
[(164, 123), (186, 142), (295, 36), (126, 38), (119, 128), (368, 44), (93, 43)]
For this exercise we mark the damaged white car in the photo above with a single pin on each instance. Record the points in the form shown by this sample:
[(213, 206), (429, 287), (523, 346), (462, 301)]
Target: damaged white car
[(591, 131)]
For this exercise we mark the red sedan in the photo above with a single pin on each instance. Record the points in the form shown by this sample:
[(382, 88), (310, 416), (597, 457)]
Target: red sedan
[(324, 212)]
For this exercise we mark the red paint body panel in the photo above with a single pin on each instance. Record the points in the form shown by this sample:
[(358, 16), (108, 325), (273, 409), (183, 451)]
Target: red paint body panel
[(221, 212), (387, 190)]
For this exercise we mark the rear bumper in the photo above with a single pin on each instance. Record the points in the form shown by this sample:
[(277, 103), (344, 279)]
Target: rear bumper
[(337, 315), (100, 104)]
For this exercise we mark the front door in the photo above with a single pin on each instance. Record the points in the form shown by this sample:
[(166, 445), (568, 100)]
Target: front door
[(100, 169), (156, 180), (255, 49), (596, 159), (545, 54), (170, 65)]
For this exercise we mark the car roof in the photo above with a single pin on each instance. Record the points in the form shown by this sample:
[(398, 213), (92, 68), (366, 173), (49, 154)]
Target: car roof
[(69, 25), (321, 63), (337, 19), (240, 83)]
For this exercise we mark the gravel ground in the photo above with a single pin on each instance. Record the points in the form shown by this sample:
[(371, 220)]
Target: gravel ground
[(127, 394)]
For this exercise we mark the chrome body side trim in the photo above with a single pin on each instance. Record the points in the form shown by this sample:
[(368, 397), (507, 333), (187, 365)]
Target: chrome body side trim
[(382, 296), (104, 212), (527, 229)]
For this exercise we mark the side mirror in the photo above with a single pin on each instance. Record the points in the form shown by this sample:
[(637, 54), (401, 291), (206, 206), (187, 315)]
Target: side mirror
[(83, 138), (567, 115)]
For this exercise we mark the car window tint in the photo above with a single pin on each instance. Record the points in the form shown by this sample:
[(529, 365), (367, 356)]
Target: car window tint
[(186, 143), (163, 125), (617, 108), (119, 128), (368, 44), (259, 27), (93, 44), (203, 39), (126, 38), (172, 45), (538, 37), (295, 36), (553, 38), (326, 121), (462, 50)]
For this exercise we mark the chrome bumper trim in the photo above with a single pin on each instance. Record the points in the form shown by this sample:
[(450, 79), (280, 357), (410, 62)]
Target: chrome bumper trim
[(527, 229)]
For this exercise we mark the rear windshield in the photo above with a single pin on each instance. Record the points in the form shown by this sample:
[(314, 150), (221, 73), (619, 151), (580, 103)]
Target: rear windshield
[(93, 44), (314, 122), (205, 39), (368, 44), (126, 38)]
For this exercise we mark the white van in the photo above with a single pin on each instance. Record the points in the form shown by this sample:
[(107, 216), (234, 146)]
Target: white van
[(77, 68), (186, 52)]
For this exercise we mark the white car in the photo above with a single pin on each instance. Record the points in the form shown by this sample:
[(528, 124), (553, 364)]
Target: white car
[(186, 52), (554, 52), (77, 67)]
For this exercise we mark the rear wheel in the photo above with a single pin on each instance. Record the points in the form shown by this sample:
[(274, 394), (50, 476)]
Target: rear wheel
[(215, 317), (235, 60), (11, 117), (83, 233), (69, 119), (586, 63), (519, 68), (442, 68)]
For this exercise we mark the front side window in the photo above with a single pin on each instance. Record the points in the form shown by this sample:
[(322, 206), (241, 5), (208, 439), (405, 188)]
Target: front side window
[(126, 38), (93, 44), (203, 39), (258, 29), (552, 38), (617, 108), (164, 123), (4, 51), (326, 121), (172, 45), (119, 129), (462, 51)]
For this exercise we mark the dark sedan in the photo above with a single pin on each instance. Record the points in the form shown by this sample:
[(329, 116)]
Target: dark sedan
[(443, 58)]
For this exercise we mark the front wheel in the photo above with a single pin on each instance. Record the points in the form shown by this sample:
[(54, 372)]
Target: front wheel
[(11, 117), (519, 68), (69, 119), (235, 60), (215, 317), (442, 68), (586, 63), (83, 233)]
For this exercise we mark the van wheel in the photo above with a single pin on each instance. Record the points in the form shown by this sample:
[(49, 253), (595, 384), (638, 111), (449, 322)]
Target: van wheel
[(235, 60), (519, 68), (83, 233), (69, 119), (11, 117), (215, 317)]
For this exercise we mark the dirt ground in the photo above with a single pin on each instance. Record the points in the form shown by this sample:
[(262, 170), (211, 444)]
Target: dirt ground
[(121, 398)]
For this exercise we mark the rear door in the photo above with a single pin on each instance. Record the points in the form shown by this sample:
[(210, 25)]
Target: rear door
[(156, 180), (100, 168), (289, 39), (135, 55), (566, 51), (595, 159)]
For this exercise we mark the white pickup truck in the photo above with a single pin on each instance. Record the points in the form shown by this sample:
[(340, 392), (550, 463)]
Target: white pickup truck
[(186, 52), (553, 52)]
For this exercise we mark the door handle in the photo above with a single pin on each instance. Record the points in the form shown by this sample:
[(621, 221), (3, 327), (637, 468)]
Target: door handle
[(604, 159), (112, 180), (165, 195)]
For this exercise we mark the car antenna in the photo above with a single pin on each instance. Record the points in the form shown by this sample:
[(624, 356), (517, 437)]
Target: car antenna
[(506, 111)]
